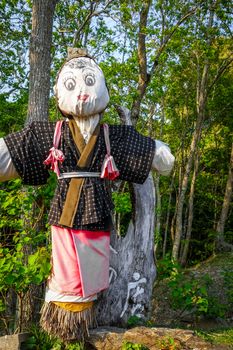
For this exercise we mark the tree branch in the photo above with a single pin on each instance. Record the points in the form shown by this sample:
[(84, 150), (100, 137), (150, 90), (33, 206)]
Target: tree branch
[(144, 77), (124, 114), (168, 38), (92, 13), (220, 72)]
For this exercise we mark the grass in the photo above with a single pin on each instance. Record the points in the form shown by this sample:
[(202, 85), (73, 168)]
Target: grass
[(217, 336)]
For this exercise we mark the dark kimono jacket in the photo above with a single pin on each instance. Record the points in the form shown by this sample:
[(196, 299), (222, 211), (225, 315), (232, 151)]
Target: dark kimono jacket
[(132, 152)]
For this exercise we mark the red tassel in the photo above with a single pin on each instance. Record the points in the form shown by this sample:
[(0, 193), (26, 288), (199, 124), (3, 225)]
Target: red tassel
[(55, 156), (109, 169)]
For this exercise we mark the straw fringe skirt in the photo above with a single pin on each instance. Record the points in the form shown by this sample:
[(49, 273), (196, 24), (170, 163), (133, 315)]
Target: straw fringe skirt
[(67, 325)]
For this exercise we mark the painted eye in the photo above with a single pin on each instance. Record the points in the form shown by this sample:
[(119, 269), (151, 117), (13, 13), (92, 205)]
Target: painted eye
[(70, 83), (89, 79)]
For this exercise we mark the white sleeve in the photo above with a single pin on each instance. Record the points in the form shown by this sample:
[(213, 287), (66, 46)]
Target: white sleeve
[(163, 161), (7, 169)]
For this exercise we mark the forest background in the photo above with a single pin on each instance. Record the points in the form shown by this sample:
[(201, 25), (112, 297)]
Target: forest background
[(170, 64)]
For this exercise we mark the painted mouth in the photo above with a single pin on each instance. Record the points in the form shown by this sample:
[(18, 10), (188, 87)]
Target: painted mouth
[(83, 97)]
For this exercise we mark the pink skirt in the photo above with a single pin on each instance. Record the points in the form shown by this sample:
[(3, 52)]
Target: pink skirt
[(80, 262)]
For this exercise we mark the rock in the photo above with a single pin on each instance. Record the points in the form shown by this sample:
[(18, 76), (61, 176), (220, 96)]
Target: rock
[(13, 342), (110, 338)]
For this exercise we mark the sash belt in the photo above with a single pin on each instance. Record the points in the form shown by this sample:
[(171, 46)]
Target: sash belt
[(76, 184), (78, 174)]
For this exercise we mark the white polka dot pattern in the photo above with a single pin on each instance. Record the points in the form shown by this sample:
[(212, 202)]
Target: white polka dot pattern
[(132, 152)]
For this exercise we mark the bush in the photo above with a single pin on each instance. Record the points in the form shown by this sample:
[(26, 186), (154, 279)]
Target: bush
[(133, 346), (188, 293), (167, 268), (228, 283), (24, 252)]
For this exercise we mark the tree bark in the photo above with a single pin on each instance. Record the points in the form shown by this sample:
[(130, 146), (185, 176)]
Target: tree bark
[(132, 267), (190, 213), (181, 199), (168, 215), (40, 59), (158, 214), (142, 61), (226, 204), (38, 110)]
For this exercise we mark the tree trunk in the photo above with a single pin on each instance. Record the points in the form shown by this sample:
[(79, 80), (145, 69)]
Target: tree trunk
[(168, 215), (200, 103), (190, 214), (40, 59), (158, 214), (225, 205), (181, 199), (39, 89), (132, 266)]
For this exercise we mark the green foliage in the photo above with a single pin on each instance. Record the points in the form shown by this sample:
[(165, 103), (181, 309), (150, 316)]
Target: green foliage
[(166, 268), (14, 200), (168, 343), (39, 340), (14, 32), (18, 274), (123, 208), (228, 284), (218, 336), (75, 346), (133, 346), (216, 309), (12, 113), (19, 270), (134, 321), (122, 202), (24, 250), (188, 295)]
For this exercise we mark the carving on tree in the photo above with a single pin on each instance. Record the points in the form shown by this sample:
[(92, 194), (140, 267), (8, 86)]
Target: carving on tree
[(135, 285)]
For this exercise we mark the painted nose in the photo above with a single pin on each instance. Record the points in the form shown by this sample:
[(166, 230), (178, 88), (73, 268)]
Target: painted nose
[(83, 97)]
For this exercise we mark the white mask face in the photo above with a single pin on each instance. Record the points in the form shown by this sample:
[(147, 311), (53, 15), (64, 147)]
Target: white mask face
[(80, 89)]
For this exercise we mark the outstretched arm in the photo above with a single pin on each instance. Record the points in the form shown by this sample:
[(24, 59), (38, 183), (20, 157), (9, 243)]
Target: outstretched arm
[(7, 169), (163, 161)]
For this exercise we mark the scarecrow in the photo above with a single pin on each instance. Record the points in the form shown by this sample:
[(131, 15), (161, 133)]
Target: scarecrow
[(85, 155)]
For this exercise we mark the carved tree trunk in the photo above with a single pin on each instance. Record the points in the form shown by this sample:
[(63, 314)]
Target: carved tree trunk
[(132, 267)]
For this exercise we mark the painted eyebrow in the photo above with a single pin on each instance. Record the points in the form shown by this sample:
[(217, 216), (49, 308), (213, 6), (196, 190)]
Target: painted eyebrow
[(89, 68), (67, 73), (84, 64)]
